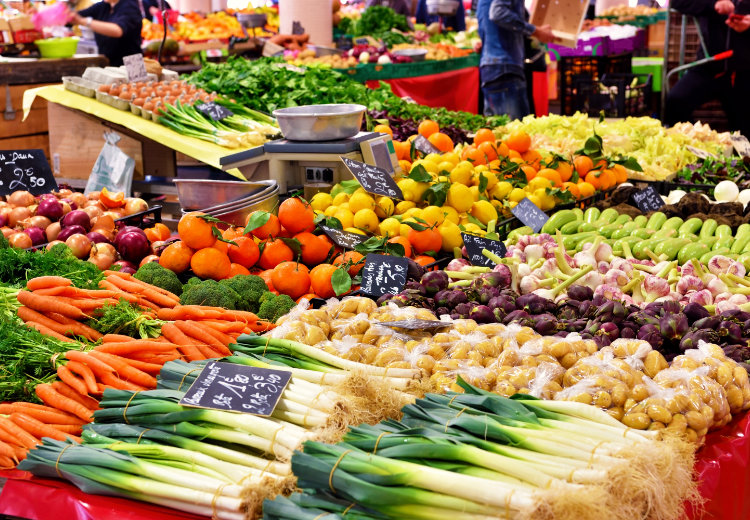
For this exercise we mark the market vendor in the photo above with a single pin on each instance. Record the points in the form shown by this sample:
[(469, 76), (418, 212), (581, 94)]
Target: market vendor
[(456, 21), (116, 25)]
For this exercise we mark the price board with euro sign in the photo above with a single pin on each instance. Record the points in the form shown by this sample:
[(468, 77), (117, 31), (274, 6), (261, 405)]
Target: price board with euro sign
[(476, 244), (647, 199), (373, 179), (214, 111), (384, 274), (530, 214), (343, 238), (25, 170), (237, 388)]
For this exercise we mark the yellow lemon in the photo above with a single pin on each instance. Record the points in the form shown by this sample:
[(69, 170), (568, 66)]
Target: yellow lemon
[(539, 182), (345, 216), (492, 180), (320, 201), (516, 195), (404, 230), (545, 201), (473, 228), (359, 190), (355, 230), (483, 211), (445, 166), (430, 166), (420, 188), (345, 205), (474, 192), (404, 206), (462, 173), (451, 235), (433, 157), (340, 198), (512, 204), (366, 219), (533, 198), (450, 214), (443, 178), (410, 213), (433, 215), (330, 211), (408, 188), (390, 227), (460, 197), (451, 157), (501, 190), (360, 201), (384, 207)]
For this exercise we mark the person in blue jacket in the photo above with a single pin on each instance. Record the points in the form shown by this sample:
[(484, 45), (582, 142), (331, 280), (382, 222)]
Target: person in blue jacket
[(456, 22), (502, 28)]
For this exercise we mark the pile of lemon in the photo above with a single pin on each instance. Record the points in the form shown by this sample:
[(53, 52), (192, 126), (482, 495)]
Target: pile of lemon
[(465, 209)]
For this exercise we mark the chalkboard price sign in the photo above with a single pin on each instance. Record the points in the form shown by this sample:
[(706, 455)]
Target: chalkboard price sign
[(25, 170), (647, 199), (343, 238), (741, 145), (214, 111), (700, 154), (423, 145), (475, 245), (373, 179), (528, 213), (384, 274), (237, 388), (136, 67)]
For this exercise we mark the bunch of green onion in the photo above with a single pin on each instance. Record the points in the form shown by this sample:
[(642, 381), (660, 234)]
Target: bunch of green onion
[(479, 455)]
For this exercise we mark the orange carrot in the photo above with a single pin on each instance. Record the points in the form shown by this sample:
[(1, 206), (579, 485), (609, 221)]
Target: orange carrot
[(46, 416), (47, 331), (87, 401), (59, 318), (70, 292), (126, 371), (120, 384), (184, 344), (261, 326), (7, 463), (75, 328), (85, 372), (145, 290), (64, 373), (48, 304), (104, 284), (39, 429), (53, 398), (195, 331), (27, 440), (99, 368), (134, 345), (86, 304), (7, 450), (143, 302), (145, 366), (158, 359), (67, 428), (224, 326), (10, 438), (116, 338), (43, 282), (133, 279)]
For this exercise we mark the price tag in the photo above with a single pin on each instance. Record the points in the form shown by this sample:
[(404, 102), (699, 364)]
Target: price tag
[(475, 245), (416, 324), (647, 199), (214, 111), (343, 238), (373, 179), (237, 388), (423, 145), (700, 154), (214, 53), (384, 274), (741, 144), (528, 213), (136, 67), (25, 170)]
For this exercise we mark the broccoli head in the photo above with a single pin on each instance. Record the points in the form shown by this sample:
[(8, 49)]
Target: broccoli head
[(209, 293), (250, 288), (275, 306), (159, 276)]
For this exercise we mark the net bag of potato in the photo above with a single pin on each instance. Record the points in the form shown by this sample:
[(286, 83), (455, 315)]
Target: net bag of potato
[(543, 380), (303, 324), (552, 349)]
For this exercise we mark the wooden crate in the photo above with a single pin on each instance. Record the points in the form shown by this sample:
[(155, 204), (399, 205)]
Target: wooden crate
[(76, 139), (565, 18), (32, 133)]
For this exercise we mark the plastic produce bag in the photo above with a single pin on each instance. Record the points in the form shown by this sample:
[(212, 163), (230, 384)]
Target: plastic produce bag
[(113, 168)]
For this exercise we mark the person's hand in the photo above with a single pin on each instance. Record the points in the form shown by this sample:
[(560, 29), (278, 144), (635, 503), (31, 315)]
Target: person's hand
[(543, 33), (153, 11), (739, 23), (725, 7)]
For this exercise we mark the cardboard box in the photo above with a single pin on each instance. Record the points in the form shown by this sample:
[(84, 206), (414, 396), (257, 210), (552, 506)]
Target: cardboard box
[(23, 29), (565, 18), (6, 36)]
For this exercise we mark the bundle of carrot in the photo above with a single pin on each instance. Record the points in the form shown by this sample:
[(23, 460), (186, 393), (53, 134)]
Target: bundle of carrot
[(229, 323)]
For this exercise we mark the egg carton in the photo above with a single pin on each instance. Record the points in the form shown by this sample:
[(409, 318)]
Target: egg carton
[(104, 76), (80, 86)]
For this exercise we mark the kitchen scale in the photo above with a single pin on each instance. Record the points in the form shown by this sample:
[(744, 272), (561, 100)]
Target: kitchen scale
[(315, 165)]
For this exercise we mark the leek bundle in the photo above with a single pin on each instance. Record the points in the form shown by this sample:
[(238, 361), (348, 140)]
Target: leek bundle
[(480, 455)]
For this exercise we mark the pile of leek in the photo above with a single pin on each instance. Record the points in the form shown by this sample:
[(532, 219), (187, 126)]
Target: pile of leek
[(479, 455)]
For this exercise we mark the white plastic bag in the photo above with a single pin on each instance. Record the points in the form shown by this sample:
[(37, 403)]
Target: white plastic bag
[(113, 168)]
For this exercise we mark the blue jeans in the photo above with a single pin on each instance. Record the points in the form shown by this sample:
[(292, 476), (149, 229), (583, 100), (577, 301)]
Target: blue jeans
[(506, 95)]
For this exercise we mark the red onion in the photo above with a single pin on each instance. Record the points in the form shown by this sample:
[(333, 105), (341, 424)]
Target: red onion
[(36, 234), (77, 218), (72, 205), (128, 229), (51, 208), (3, 219), (126, 267), (132, 246), (69, 231), (97, 237)]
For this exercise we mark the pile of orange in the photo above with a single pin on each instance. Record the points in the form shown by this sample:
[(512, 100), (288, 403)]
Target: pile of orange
[(428, 129)]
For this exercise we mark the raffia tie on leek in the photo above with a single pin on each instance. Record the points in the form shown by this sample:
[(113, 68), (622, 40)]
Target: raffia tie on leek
[(480, 455)]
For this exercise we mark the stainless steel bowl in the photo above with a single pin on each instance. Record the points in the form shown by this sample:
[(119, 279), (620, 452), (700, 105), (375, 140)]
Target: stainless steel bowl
[(442, 7), (414, 54), (223, 208), (320, 122), (238, 216), (204, 193)]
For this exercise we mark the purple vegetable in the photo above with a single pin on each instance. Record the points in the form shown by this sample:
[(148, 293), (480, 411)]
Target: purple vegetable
[(691, 339), (673, 326), (36, 235), (76, 218), (457, 264), (72, 230), (482, 314), (434, 282), (519, 316), (695, 312), (126, 267), (651, 334), (731, 331), (544, 324), (132, 246), (709, 322), (125, 230), (384, 299), (441, 298), (442, 311), (415, 287), (535, 304), (503, 303), (457, 297), (671, 307), (97, 238), (580, 293), (610, 330), (51, 208), (506, 277), (736, 314)]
